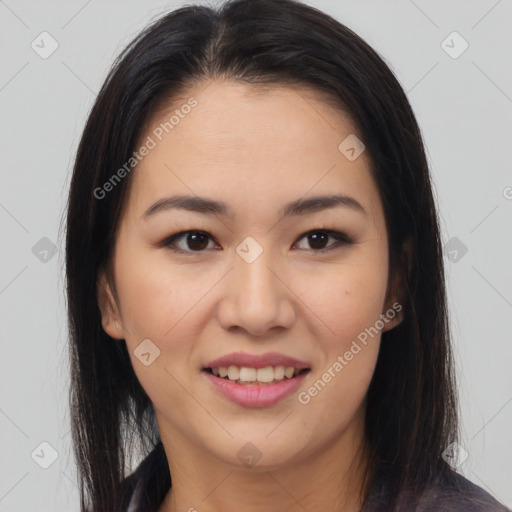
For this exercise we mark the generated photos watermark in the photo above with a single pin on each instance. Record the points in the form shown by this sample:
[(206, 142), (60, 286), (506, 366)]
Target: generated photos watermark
[(363, 337), (150, 143)]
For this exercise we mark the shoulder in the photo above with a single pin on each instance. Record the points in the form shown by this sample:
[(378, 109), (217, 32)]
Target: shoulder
[(450, 492), (146, 487), (454, 493)]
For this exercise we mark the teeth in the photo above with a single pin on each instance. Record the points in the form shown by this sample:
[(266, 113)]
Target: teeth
[(264, 374), (288, 372), (233, 373), (279, 372), (246, 374)]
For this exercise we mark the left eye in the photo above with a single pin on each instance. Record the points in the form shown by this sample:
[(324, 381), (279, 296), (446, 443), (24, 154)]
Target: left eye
[(318, 237), (197, 241)]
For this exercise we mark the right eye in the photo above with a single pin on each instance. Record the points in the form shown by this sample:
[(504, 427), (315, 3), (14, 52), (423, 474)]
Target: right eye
[(195, 241)]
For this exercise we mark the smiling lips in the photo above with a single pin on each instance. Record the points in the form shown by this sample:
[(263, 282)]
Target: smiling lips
[(256, 380), (264, 376), (241, 359), (243, 368)]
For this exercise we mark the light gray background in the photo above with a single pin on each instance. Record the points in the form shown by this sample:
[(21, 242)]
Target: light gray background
[(463, 106)]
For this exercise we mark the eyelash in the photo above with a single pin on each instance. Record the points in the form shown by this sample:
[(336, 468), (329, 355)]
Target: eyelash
[(342, 239)]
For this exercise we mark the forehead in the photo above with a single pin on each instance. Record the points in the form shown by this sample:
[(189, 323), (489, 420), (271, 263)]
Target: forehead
[(249, 145)]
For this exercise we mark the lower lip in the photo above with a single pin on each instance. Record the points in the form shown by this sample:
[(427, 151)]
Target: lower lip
[(255, 395)]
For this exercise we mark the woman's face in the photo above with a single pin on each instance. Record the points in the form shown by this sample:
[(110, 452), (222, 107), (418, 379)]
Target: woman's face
[(260, 278)]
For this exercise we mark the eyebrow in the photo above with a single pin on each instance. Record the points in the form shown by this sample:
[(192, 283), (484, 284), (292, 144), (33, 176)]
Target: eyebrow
[(208, 206)]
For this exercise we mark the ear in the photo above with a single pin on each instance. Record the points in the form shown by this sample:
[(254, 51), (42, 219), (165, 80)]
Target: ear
[(396, 297), (110, 315)]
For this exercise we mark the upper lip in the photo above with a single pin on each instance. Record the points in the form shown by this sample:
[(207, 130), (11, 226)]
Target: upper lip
[(256, 361)]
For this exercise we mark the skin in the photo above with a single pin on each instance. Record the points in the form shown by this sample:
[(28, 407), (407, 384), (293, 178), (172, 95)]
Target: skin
[(255, 150)]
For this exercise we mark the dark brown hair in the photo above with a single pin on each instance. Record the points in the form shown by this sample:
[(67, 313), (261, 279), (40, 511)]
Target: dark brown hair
[(411, 409)]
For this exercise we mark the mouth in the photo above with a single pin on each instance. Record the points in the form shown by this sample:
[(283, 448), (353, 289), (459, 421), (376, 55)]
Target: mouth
[(255, 387), (248, 376)]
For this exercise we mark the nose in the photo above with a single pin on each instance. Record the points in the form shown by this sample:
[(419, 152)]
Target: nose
[(256, 298)]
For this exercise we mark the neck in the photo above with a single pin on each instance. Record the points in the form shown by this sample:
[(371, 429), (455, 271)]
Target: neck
[(331, 478)]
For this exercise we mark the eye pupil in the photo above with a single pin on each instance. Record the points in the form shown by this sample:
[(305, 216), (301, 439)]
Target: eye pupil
[(193, 236), (317, 237)]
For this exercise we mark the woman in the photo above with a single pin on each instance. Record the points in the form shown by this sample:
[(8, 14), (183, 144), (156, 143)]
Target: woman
[(255, 280)]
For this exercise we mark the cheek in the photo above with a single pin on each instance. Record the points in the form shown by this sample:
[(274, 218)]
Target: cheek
[(156, 294), (350, 303), (147, 297), (160, 302), (346, 298)]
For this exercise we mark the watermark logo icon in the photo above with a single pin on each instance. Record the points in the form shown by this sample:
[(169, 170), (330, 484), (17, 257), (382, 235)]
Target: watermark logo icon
[(454, 45), (455, 249), (44, 455), (44, 45), (44, 250), (351, 147), (249, 455), (146, 352), (455, 455), (249, 250)]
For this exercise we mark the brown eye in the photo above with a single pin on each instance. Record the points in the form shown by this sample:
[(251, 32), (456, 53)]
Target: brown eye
[(196, 241), (318, 239), (192, 241)]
